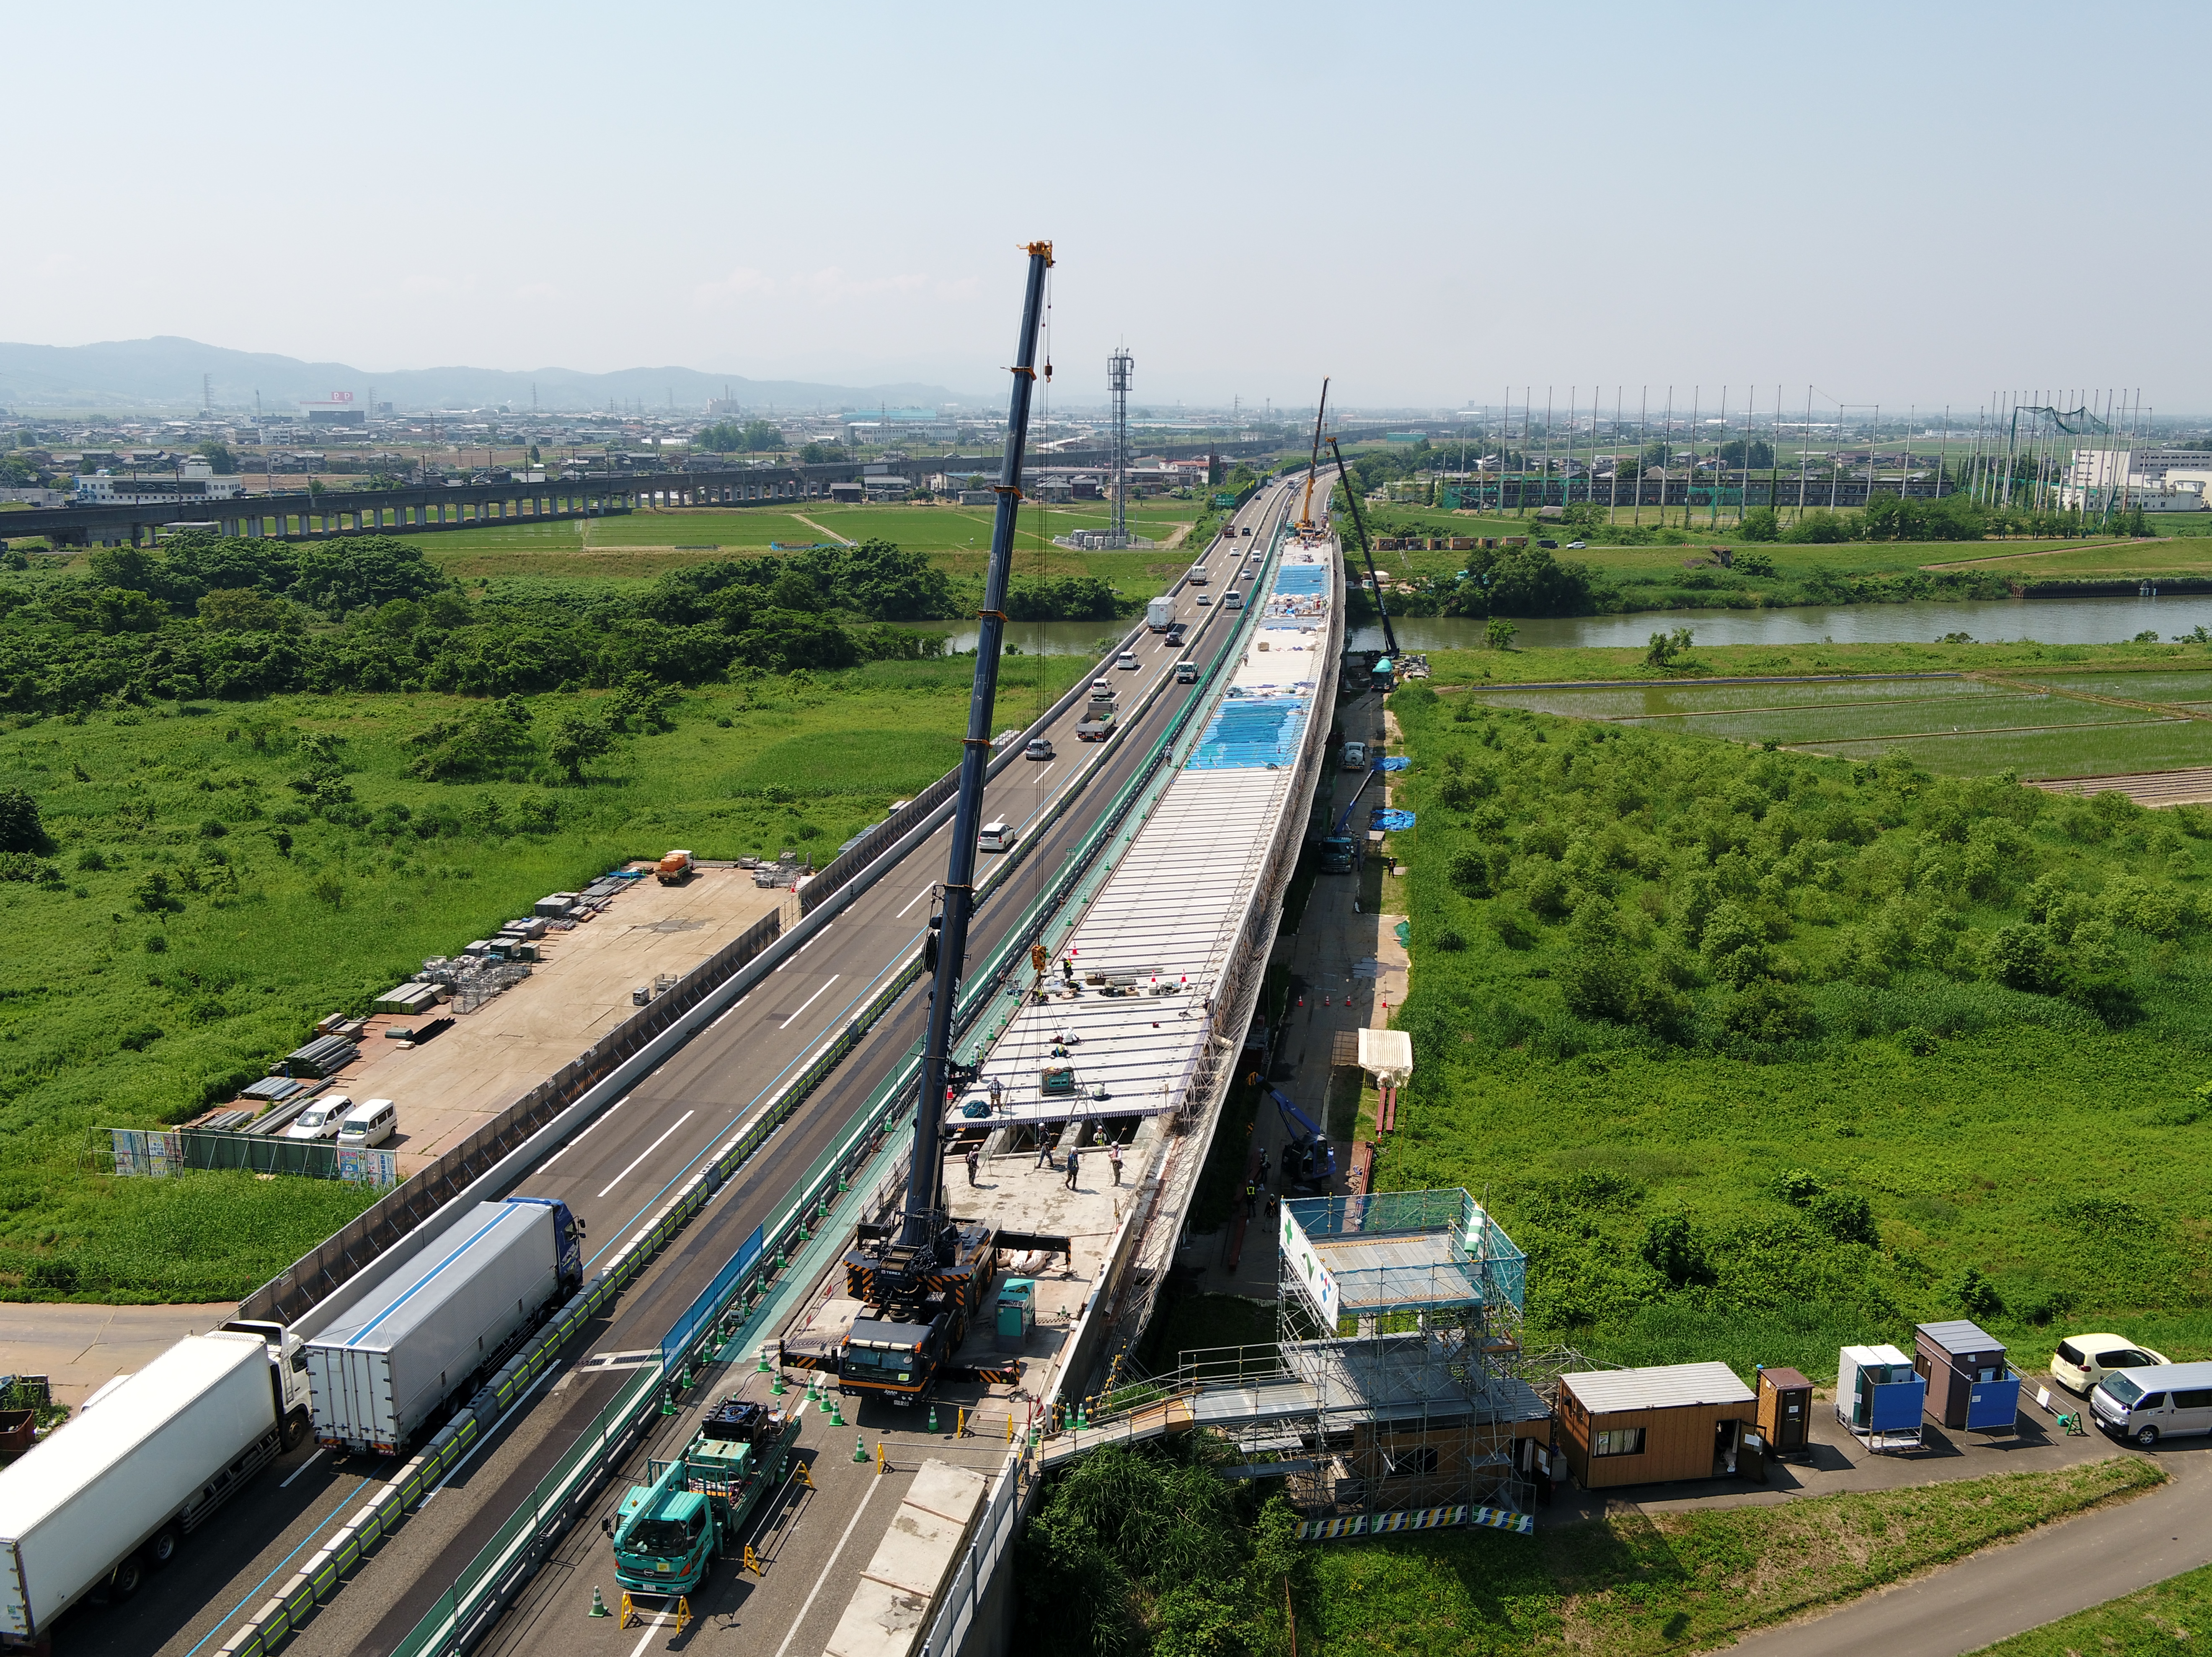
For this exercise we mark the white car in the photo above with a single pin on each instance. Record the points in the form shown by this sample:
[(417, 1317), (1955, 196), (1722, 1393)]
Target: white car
[(997, 836), (1575, 546), (321, 1120), (1126, 661), (1206, 598), (2083, 1361)]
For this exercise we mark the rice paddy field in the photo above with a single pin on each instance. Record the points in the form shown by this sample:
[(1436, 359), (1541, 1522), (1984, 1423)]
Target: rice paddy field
[(2056, 725)]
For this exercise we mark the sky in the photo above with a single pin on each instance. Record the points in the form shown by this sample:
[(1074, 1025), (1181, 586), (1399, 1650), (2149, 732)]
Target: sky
[(1902, 204)]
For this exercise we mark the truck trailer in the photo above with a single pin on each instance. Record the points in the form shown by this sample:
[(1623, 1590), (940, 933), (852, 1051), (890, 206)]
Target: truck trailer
[(1159, 613), (114, 1493), (441, 1325)]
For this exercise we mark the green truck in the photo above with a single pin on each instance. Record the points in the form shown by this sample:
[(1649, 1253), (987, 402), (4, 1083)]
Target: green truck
[(697, 1506)]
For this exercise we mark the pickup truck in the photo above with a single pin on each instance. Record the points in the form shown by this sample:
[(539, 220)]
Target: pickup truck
[(1097, 725), (1186, 672)]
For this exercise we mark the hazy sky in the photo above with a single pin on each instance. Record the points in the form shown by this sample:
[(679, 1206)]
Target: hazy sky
[(1427, 202)]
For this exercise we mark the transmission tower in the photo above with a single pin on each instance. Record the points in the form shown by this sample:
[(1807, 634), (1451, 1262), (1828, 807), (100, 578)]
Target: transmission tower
[(1117, 381)]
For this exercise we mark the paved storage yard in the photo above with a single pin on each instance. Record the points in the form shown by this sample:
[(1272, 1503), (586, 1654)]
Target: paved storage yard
[(581, 989)]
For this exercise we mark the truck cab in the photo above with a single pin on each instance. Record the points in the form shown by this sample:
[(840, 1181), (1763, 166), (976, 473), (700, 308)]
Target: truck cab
[(1337, 854), (1186, 673), (895, 1361), (664, 1541)]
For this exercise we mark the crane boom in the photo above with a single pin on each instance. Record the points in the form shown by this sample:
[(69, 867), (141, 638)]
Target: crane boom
[(1308, 1157), (1366, 550), (1305, 510), (925, 1217)]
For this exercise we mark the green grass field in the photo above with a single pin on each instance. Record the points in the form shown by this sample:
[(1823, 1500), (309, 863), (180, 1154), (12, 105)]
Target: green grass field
[(1457, 667), (640, 546), (1636, 1584), (119, 1014), (1589, 1055), (1957, 727), (2169, 1617)]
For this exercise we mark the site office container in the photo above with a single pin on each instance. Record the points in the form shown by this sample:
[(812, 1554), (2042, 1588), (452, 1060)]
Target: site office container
[(1785, 1409), (1969, 1385), (1646, 1426), (116, 1489), (441, 1323)]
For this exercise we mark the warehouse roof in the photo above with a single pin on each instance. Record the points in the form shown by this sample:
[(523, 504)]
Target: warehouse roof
[(1668, 1386)]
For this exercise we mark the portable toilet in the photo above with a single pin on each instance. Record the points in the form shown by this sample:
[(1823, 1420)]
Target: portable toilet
[(1017, 1313), (1969, 1383), (1878, 1391), (1785, 1409)]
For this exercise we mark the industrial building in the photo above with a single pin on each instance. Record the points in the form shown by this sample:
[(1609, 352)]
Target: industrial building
[(192, 480)]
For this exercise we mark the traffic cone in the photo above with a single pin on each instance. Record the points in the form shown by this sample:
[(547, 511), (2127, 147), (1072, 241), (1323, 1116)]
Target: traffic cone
[(836, 1413), (933, 1417), (860, 1446), (598, 1606), (778, 1387), (763, 1361)]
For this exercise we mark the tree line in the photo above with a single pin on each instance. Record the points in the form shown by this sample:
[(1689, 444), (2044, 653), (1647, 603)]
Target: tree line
[(203, 615)]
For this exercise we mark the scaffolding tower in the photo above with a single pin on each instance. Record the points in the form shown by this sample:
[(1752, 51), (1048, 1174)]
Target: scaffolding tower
[(1118, 367), (1402, 1312)]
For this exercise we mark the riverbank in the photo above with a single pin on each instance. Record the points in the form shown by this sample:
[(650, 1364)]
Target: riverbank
[(1704, 662)]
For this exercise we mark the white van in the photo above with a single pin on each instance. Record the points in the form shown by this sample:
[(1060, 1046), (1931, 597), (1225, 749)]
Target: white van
[(2166, 1400), (998, 836), (1234, 601), (369, 1123), (321, 1120)]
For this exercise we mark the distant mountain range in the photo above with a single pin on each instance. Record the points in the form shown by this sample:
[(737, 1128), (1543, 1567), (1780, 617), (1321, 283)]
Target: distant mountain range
[(165, 373)]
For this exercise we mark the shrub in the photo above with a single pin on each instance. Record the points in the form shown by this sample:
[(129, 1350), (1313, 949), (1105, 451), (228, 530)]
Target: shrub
[(1976, 1295)]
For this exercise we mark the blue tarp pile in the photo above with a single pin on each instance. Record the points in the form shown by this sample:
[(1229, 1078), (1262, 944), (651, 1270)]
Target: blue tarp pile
[(1387, 821), (1395, 762)]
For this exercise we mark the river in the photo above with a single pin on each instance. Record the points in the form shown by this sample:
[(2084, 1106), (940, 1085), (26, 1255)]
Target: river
[(2044, 621)]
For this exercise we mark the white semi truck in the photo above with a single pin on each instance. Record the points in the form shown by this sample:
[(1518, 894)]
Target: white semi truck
[(114, 1493), (441, 1324), (1159, 613)]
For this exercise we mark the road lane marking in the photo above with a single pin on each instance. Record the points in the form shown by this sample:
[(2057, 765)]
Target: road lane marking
[(303, 1467), (824, 1577), (810, 1000), (804, 947), (587, 1133), (916, 899), (647, 1152)]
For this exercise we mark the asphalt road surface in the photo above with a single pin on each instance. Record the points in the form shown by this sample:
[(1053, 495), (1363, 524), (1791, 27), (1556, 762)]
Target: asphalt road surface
[(621, 1169)]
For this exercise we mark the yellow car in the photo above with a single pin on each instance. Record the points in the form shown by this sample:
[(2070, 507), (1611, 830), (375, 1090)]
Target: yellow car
[(2083, 1361)]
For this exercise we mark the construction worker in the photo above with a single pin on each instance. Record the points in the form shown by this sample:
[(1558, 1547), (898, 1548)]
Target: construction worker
[(1071, 1154), (1251, 1201), (974, 1161), (1113, 1156)]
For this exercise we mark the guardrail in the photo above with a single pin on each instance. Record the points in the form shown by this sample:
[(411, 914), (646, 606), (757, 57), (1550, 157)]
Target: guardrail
[(751, 1292)]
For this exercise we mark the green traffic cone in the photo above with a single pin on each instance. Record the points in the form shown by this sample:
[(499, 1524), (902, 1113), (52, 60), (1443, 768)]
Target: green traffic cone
[(778, 1387), (598, 1606), (860, 1446), (763, 1361), (933, 1417), (827, 1406), (836, 1413)]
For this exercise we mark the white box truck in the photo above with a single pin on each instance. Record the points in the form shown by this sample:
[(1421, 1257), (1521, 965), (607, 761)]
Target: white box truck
[(1159, 613), (439, 1326), (113, 1494)]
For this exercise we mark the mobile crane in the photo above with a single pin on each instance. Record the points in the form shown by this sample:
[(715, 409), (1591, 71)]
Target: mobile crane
[(922, 1282)]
